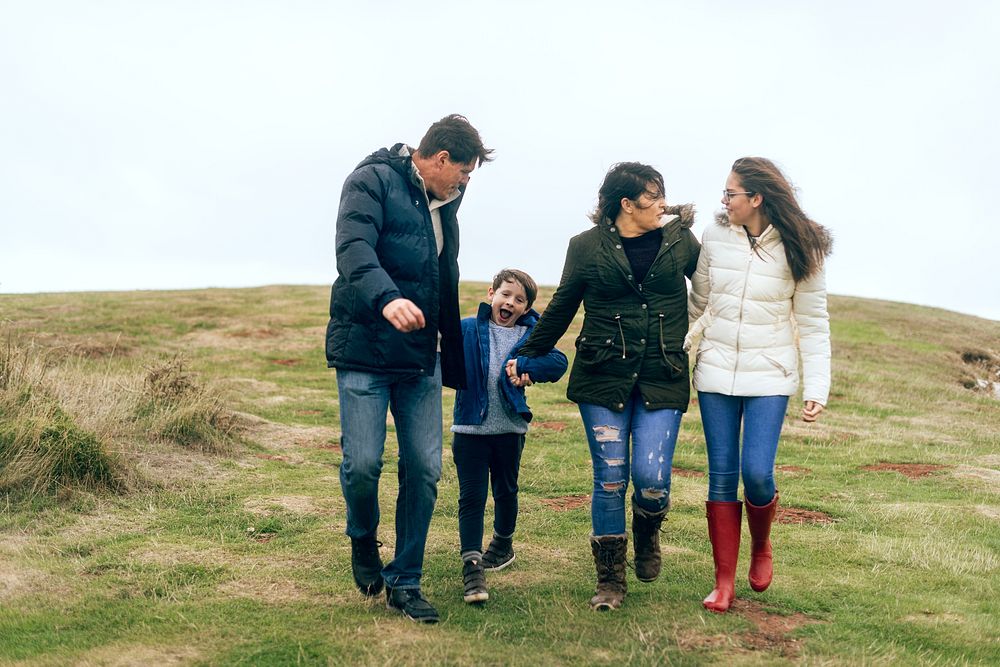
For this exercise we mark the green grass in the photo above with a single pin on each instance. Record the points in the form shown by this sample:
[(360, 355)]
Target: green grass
[(227, 546)]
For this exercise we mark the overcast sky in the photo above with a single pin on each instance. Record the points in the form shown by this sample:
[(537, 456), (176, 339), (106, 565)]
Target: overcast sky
[(204, 143)]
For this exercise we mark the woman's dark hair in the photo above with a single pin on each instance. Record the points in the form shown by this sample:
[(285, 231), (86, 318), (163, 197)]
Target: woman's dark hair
[(807, 243), (456, 135), (625, 179)]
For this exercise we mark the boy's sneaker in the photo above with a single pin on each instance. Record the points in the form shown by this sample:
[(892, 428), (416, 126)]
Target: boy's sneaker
[(411, 604), (475, 581), (499, 554), (366, 565)]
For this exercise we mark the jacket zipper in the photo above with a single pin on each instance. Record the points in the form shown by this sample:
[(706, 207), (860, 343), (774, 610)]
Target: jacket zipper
[(618, 319), (739, 326)]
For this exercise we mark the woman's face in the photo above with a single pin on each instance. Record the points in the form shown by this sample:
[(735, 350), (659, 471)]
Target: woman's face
[(647, 210), (738, 203)]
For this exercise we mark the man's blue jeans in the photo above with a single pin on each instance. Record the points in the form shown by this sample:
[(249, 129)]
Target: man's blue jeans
[(761, 418), (653, 435), (415, 402)]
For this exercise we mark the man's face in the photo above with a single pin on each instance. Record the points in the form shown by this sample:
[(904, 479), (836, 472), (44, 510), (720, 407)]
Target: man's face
[(446, 176)]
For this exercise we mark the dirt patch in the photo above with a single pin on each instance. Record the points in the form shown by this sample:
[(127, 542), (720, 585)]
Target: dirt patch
[(261, 333), (295, 504), (989, 511), (286, 362), (137, 654), (772, 630), (559, 427), (566, 503), (272, 592), (284, 436), (15, 582), (278, 457), (794, 470), (985, 474), (796, 515), (911, 470), (686, 472)]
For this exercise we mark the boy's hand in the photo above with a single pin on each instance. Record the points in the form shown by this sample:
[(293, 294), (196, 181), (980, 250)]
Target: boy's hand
[(522, 380)]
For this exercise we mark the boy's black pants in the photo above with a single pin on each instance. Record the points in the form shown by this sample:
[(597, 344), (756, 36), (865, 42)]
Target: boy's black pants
[(483, 461)]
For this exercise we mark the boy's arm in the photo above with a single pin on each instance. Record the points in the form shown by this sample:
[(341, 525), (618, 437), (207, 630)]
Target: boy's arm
[(547, 368)]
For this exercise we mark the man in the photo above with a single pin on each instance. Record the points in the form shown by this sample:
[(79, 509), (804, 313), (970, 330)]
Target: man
[(394, 337)]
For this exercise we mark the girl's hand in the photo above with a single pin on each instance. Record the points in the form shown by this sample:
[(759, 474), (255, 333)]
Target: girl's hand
[(811, 411)]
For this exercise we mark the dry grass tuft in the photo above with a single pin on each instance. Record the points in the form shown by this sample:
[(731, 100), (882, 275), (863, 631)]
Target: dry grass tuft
[(65, 427), (177, 407), (42, 447)]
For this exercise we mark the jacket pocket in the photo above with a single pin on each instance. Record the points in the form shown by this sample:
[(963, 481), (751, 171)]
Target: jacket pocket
[(675, 363), (593, 351), (777, 364)]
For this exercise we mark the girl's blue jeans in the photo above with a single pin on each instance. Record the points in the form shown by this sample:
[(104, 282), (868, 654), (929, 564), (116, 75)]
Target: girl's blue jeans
[(652, 435), (760, 419)]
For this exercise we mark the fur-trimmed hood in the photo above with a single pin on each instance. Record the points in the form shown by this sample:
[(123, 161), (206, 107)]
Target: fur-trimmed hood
[(684, 213)]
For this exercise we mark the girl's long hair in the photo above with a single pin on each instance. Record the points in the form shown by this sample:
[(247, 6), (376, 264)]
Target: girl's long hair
[(807, 243)]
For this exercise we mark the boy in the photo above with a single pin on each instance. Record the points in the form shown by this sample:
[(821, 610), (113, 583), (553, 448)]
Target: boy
[(491, 418)]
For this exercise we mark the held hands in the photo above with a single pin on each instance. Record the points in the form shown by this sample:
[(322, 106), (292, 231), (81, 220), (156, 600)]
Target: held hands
[(811, 411), (523, 380), (404, 315)]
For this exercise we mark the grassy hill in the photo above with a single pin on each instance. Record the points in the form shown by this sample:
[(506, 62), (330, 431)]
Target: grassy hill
[(168, 466)]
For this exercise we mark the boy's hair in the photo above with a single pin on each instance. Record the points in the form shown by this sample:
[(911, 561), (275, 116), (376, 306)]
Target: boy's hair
[(516, 276)]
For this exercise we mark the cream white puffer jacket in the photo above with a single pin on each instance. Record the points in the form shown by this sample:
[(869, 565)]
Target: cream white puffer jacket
[(747, 308)]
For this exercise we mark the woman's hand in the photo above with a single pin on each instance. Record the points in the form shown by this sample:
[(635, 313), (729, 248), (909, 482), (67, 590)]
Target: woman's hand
[(811, 411), (522, 380)]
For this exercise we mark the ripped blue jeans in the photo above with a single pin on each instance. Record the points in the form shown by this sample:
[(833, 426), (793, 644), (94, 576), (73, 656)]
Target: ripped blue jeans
[(653, 435)]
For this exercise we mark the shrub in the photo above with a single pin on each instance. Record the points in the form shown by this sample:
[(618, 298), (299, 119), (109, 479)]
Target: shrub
[(42, 448), (177, 407)]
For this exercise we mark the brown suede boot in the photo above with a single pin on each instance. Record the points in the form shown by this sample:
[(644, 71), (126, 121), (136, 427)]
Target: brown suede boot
[(646, 540), (759, 520), (724, 522), (609, 557)]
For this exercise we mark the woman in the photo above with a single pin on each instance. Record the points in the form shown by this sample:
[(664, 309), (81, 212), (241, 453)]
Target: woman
[(630, 374), (759, 287)]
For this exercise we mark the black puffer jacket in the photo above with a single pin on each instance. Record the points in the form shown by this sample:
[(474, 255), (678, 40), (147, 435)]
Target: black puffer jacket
[(632, 333), (386, 250)]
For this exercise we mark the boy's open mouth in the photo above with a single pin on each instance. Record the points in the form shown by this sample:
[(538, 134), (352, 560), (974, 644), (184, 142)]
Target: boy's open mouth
[(506, 314)]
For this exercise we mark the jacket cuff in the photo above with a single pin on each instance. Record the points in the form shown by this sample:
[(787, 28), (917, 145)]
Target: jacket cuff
[(385, 299)]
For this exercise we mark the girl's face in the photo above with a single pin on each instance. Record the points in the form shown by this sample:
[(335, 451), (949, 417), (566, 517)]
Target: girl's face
[(742, 206)]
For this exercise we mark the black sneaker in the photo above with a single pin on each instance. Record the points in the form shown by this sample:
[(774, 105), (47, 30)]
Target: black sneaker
[(474, 580), (499, 554), (411, 604), (366, 565)]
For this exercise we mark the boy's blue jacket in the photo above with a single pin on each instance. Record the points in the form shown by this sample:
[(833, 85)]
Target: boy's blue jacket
[(471, 402)]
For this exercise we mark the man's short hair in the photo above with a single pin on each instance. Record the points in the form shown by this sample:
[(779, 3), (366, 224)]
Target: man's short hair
[(456, 135), (516, 276)]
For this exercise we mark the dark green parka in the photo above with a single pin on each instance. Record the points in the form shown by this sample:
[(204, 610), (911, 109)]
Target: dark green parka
[(632, 333)]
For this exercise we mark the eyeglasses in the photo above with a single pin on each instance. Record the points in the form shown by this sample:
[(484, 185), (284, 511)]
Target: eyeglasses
[(727, 195)]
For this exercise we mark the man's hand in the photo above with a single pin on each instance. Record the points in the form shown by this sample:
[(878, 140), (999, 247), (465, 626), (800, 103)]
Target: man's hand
[(404, 315), (811, 411)]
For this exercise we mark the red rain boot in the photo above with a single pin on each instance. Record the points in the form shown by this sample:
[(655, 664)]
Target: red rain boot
[(724, 522), (759, 521)]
